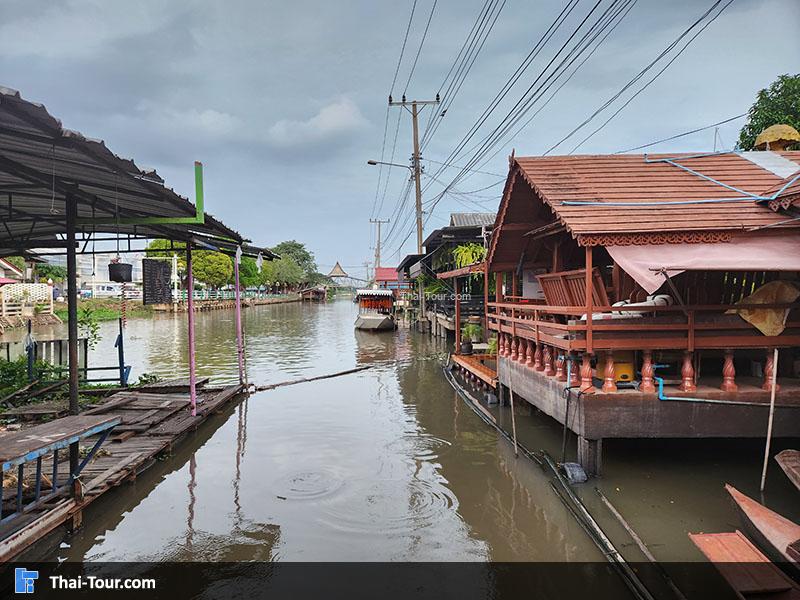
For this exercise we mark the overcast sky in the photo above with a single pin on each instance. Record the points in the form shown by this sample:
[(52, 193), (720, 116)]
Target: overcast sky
[(284, 102)]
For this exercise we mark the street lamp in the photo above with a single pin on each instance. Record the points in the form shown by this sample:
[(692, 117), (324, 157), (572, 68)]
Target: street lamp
[(378, 162)]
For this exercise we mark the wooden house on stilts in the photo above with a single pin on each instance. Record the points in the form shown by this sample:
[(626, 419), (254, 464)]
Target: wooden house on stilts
[(656, 288)]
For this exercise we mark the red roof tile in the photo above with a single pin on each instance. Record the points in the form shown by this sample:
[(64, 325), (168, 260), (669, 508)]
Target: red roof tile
[(634, 185)]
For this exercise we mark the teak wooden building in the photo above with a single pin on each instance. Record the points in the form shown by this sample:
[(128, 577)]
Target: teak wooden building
[(628, 279)]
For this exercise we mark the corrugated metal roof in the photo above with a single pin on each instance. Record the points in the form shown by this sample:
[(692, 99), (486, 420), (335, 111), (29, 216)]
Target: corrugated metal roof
[(386, 274), (41, 163), (472, 219), (647, 196)]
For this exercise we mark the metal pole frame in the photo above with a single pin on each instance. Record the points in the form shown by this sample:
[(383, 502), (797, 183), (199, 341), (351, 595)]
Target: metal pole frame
[(190, 308), (72, 321), (239, 341)]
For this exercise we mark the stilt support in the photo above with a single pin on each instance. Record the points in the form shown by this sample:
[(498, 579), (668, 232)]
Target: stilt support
[(590, 454)]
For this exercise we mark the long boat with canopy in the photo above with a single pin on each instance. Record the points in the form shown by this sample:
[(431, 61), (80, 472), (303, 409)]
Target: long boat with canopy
[(375, 310)]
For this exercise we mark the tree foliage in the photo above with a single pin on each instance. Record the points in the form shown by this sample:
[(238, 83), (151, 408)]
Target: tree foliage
[(297, 251), (17, 261), (779, 103), (212, 268), (46, 271), (248, 273), (168, 246)]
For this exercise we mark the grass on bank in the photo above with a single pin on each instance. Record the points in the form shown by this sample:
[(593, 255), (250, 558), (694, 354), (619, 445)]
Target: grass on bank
[(107, 309)]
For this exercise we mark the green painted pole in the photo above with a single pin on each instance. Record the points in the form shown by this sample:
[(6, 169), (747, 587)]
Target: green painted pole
[(199, 217)]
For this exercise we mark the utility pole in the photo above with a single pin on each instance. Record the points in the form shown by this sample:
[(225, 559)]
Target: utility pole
[(416, 108), (378, 222)]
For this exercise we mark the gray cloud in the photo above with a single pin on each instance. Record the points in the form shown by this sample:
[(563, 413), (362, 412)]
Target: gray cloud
[(285, 102)]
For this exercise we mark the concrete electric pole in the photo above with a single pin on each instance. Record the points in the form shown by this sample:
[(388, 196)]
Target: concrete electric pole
[(416, 107), (378, 222)]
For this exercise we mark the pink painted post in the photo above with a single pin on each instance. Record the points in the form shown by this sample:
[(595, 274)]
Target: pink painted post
[(190, 307), (239, 345)]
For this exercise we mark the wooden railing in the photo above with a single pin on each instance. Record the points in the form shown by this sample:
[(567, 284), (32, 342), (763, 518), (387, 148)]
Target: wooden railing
[(544, 338), (660, 327)]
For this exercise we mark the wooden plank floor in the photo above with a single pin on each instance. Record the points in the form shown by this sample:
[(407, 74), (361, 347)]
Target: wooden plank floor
[(151, 422)]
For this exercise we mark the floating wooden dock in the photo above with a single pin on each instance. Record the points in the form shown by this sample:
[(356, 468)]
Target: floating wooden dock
[(149, 421)]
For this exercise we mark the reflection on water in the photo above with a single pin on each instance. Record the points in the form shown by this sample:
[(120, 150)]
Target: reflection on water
[(384, 464)]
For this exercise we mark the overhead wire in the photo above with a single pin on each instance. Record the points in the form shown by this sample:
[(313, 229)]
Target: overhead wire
[(419, 49), (652, 79), (637, 77)]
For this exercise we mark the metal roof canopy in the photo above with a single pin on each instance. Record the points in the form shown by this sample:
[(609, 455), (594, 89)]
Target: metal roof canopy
[(42, 164)]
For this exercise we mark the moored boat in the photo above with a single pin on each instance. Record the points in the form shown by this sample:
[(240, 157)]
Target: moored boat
[(375, 310), (744, 567), (771, 531), (789, 461)]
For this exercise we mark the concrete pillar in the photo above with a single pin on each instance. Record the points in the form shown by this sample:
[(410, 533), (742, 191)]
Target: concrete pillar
[(590, 454)]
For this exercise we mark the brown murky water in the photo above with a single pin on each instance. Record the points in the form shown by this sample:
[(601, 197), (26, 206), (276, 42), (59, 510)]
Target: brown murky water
[(385, 464)]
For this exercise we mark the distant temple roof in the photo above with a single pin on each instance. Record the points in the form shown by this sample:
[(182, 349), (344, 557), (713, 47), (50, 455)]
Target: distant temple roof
[(337, 271)]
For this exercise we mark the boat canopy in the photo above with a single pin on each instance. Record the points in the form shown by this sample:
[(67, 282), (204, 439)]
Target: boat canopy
[(649, 264), (379, 292)]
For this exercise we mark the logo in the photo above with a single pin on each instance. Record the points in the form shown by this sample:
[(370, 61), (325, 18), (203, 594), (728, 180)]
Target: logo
[(23, 581)]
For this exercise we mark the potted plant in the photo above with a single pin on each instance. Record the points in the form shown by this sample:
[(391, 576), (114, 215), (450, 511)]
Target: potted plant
[(472, 331), (120, 272), (492, 349)]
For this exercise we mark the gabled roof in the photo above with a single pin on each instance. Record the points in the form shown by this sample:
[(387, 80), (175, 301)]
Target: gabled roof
[(472, 219), (7, 266), (630, 199), (385, 274), (337, 271)]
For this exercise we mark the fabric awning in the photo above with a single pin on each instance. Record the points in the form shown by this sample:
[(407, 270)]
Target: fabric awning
[(645, 263)]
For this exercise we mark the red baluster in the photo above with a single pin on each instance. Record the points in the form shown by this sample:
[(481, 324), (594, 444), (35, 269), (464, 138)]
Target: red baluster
[(587, 385), (574, 372), (610, 376), (561, 372), (769, 368), (548, 361), (537, 358), (729, 373), (647, 384), (529, 355), (523, 350), (687, 374)]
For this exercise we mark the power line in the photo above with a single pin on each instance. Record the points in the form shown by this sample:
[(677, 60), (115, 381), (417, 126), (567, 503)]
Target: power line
[(421, 43), (656, 76), (680, 135), (403, 47), (623, 11), (636, 78), (532, 92), (479, 34)]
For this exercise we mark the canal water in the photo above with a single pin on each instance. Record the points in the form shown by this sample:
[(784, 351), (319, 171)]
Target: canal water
[(387, 464)]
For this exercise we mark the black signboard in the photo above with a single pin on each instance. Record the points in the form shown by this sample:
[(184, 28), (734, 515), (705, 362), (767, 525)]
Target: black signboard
[(156, 284)]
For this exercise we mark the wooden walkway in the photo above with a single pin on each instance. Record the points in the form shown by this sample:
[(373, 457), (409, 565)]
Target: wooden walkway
[(151, 422), (474, 365)]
